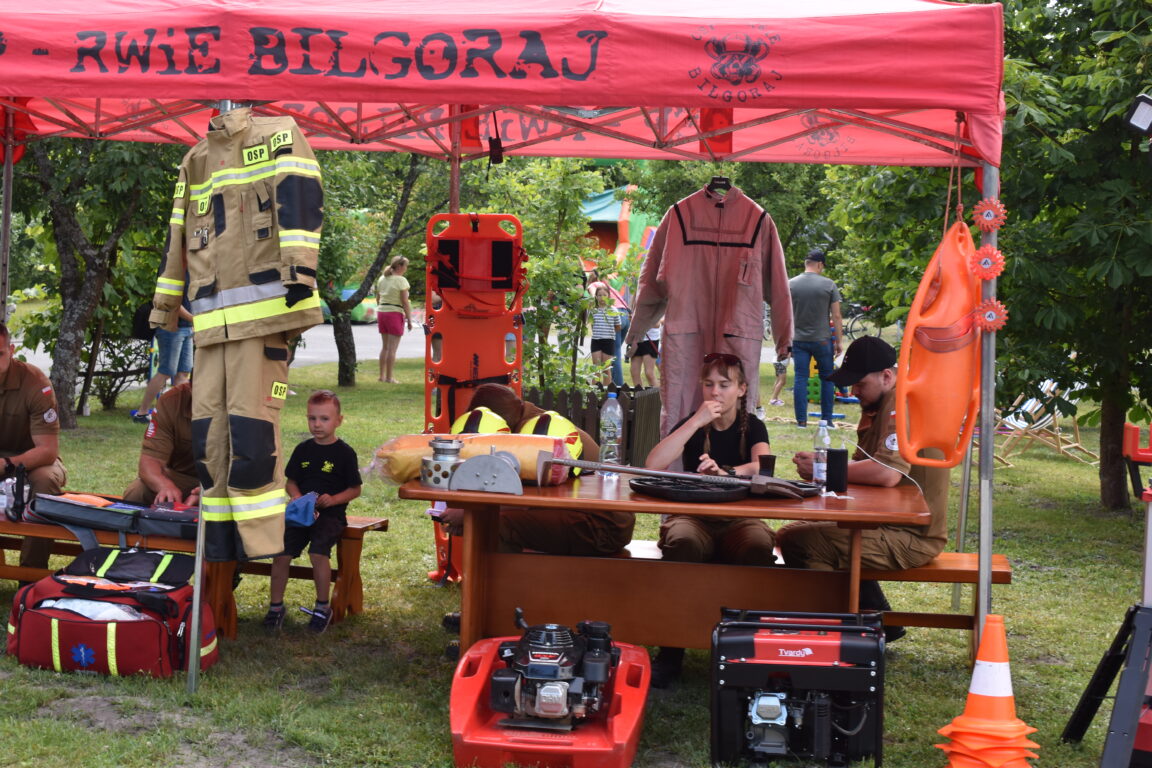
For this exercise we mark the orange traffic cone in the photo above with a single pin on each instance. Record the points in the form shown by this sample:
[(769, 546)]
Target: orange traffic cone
[(988, 734)]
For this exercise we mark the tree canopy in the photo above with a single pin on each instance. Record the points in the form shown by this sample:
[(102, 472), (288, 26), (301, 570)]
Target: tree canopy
[(1078, 187)]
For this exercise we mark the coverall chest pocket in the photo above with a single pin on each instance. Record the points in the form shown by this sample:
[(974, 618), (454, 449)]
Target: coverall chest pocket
[(256, 201), (199, 228)]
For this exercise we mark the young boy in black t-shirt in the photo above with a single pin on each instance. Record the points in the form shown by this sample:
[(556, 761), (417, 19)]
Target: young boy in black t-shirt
[(327, 465)]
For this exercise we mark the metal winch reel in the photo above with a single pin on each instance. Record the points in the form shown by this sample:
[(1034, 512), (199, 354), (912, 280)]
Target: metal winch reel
[(436, 470), (495, 472)]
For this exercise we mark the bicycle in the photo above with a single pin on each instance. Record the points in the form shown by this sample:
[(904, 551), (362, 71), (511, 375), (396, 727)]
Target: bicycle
[(863, 320)]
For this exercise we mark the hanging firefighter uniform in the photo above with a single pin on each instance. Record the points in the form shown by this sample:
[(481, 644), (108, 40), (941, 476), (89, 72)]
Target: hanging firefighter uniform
[(245, 224)]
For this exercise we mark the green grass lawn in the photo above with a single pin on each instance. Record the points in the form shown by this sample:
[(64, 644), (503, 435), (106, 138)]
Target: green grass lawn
[(374, 690)]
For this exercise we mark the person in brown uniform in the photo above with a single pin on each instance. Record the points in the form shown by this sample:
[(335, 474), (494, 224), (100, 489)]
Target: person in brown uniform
[(167, 470), (29, 434), (869, 367)]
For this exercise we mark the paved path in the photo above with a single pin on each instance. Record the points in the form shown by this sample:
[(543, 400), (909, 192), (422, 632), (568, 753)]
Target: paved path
[(320, 347)]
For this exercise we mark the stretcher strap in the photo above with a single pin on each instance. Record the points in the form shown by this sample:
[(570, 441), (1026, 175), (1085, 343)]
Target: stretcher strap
[(454, 384)]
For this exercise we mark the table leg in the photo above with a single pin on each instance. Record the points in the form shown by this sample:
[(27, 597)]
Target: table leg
[(481, 537), (854, 570), (218, 594)]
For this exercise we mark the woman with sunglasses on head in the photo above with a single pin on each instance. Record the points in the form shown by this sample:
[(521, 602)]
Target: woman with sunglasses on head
[(721, 437)]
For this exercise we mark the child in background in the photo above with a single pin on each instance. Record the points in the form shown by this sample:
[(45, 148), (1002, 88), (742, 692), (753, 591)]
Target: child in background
[(645, 356), (605, 323), (327, 465)]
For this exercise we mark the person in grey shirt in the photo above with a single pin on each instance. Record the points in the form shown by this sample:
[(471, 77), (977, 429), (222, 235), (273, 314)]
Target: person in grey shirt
[(817, 334)]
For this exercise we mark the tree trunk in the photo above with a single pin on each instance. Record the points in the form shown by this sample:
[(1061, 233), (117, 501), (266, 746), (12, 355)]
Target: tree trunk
[(345, 349), (93, 356), (1113, 470), (83, 273)]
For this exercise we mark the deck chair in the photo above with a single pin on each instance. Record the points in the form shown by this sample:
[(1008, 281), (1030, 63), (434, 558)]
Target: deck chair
[(1038, 420)]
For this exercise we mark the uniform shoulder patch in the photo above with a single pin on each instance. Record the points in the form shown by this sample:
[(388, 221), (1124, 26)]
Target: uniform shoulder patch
[(50, 416), (280, 139), (891, 443)]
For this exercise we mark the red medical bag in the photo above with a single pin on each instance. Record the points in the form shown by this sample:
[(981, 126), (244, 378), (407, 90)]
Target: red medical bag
[(90, 624)]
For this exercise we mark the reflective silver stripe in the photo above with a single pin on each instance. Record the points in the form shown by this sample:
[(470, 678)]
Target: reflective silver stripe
[(246, 313), (230, 176), (169, 287), (299, 164), (223, 508), (299, 237), (217, 510), (266, 510), (244, 294)]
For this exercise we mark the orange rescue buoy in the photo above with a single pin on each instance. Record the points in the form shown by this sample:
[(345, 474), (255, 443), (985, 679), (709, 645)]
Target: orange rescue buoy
[(938, 380)]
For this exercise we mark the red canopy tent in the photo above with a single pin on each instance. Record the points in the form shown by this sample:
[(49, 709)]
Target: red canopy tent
[(828, 81), (889, 82)]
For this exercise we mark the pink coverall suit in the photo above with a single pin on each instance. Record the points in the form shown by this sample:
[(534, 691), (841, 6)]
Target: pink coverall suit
[(713, 262)]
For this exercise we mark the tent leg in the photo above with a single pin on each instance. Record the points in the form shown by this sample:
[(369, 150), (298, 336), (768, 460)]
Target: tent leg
[(987, 435), (454, 162), (6, 216), (962, 517)]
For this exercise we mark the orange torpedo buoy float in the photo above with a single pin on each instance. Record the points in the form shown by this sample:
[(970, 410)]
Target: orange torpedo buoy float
[(938, 381)]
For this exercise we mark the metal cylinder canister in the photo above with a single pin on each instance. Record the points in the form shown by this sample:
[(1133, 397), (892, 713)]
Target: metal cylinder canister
[(436, 470)]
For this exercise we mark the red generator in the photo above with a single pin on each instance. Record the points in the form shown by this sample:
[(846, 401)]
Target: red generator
[(797, 686), (554, 698)]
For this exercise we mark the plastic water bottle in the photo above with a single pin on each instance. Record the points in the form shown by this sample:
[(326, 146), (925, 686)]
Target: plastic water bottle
[(611, 428), (820, 445)]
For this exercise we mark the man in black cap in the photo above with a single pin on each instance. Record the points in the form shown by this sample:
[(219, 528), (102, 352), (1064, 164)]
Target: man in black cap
[(816, 335), (869, 367)]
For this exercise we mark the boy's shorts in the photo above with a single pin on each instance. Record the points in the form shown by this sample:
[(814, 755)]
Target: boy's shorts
[(174, 351), (781, 368), (319, 537)]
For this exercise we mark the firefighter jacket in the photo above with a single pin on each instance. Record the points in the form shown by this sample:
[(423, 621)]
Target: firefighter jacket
[(246, 219)]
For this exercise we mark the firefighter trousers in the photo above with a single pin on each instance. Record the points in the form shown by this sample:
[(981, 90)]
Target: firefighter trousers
[(239, 391)]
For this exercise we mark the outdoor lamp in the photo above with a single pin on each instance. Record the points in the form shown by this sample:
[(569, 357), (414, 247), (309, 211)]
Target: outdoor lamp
[(1139, 117)]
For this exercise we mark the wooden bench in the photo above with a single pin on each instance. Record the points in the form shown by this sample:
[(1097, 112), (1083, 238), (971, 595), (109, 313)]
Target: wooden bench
[(945, 568), (347, 586)]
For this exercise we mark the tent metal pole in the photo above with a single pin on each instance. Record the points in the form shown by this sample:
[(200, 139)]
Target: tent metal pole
[(454, 161), (192, 639), (6, 216), (987, 425), (962, 516)]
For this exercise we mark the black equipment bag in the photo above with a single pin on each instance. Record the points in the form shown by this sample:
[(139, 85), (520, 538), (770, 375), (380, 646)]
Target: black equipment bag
[(163, 520), (85, 511), (171, 569)]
